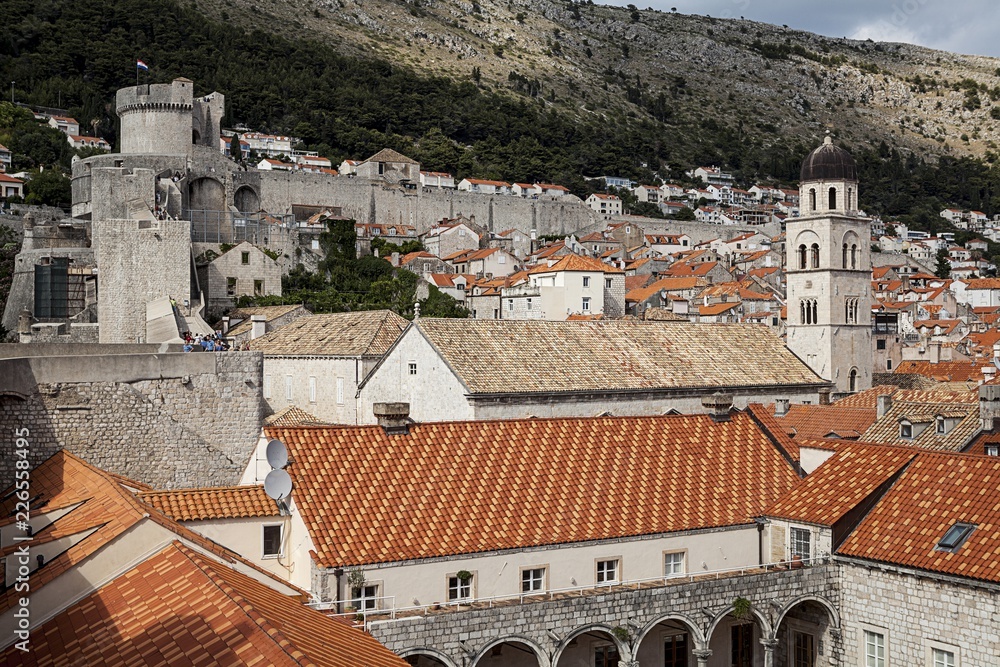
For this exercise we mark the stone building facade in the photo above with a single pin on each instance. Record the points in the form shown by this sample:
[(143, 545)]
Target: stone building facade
[(244, 270)]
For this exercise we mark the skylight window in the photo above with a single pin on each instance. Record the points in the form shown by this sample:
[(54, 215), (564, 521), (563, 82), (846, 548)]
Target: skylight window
[(955, 537)]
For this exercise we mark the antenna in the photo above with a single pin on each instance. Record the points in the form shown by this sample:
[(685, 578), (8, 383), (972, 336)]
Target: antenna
[(277, 484), (277, 454)]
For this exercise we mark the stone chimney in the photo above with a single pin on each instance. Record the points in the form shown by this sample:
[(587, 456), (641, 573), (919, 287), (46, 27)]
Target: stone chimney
[(394, 259), (781, 407), (394, 418), (225, 325), (718, 406), (258, 326), (824, 396), (883, 405), (934, 351), (989, 406), (989, 373)]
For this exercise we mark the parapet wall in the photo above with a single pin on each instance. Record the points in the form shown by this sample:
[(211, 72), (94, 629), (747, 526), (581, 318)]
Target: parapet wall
[(156, 118), (169, 420)]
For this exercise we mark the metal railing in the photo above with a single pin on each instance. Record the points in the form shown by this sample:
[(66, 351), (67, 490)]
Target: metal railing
[(231, 227), (388, 611)]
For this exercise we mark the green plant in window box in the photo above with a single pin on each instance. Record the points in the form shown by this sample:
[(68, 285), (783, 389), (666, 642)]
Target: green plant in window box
[(464, 576)]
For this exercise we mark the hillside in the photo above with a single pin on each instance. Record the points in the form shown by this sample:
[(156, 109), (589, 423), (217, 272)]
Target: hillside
[(759, 80)]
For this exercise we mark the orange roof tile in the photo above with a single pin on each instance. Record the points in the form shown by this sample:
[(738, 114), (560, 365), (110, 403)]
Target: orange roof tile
[(669, 284), (820, 421), (944, 371), (418, 504), (577, 263), (936, 491), (181, 608), (232, 502)]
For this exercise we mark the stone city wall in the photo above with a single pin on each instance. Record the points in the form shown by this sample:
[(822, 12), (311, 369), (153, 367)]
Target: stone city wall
[(169, 420)]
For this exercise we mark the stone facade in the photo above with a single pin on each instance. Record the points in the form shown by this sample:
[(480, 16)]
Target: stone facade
[(251, 272), (139, 262), (325, 387), (169, 420)]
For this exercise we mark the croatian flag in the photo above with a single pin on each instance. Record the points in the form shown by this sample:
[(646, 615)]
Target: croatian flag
[(141, 65)]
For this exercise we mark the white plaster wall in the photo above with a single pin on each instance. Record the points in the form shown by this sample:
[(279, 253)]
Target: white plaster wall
[(327, 371), (434, 393)]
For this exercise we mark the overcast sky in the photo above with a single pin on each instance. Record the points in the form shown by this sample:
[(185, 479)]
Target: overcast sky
[(962, 26)]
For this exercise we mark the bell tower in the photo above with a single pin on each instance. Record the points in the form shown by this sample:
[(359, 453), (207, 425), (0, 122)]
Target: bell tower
[(828, 270)]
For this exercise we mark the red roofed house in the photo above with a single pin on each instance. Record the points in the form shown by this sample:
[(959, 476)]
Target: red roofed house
[(449, 237), (437, 179), (10, 186), (482, 186), (604, 204), (65, 124), (569, 285), (5, 158)]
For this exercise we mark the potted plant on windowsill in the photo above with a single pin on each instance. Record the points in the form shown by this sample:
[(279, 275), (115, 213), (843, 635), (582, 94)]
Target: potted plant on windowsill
[(355, 582)]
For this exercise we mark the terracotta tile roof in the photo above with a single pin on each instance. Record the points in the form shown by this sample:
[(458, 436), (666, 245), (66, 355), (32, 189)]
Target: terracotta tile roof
[(935, 492), (389, 155), (418, 254), (291, 415), (637, 282), (669, 284), (841, 483), (418, 504), (982, 283), (181, 608), (234, 502), (820, 421), (886, 429), (684, 269), (363, 333), (944, 371), (508, 356), (577, 263), (766, 419), (713, 309), (270, 314), (867, 398)]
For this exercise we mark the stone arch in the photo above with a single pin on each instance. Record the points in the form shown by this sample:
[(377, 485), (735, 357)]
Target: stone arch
[(206, 194), (806, 237), (853, 380), (430, 653), (696, 634), (246, 199), (765, 626), (540, 655), (582, 630), (830, 608)]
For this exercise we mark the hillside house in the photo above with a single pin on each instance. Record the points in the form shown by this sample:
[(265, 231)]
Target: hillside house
[(78, 141), (423, 263), (388, 165), (484, 186), (269, 145), (551, 190), (486, 262), (437, 179), (571, 285), (5, 158), (65, 124), (648, 193), (605, 204), (712, 175), (10, 186), (243, 270), (449, 237)]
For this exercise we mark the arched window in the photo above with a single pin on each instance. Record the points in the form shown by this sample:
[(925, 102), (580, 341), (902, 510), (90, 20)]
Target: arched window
[(845, 255), (854, 256), (853, 380), (833, 198), (850, 199), (812, 199), (815, 255), (815, 313), (802, 312), (802, 256)]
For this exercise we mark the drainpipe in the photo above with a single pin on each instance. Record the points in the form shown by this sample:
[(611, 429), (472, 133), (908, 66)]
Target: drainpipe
[(760, 540), (339, 572)]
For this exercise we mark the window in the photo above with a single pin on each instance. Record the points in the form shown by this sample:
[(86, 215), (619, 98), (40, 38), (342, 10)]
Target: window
[(288, 387), (845, 256), (802, 256), (673, 564), (874, 649), (502, 259), (606, 656), (607, 571), (742, 644), (586, 304), (365, 597), (586, 281), (272, 542), (527, 304), (532, 579), (880, 344), (852, 380), (412, 367), (675, 651), (815, 255), (267, 386), (992, 450), (942, 658), (607, 283), (812, 199), (905, 430), (510, 305), (955, 537), (245, 257), (939, 426), (833, 198), (340, 391), (888, 364), (854, 256), (799, 542), (258, 288), (803, 651), (312, 390), (459, 589), (230, 286)]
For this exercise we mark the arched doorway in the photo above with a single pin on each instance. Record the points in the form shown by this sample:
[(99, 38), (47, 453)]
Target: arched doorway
[(426, 657), (246, 199), (736, 636), (804, 637), (510, 652), (592, 646), (206, 194), (670, 642)]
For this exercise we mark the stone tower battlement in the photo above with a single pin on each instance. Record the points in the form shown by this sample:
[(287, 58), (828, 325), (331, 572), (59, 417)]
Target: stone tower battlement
[(166, 119)]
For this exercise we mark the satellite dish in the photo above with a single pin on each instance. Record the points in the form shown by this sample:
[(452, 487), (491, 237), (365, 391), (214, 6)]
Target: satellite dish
[(277, 484), (277, 454)]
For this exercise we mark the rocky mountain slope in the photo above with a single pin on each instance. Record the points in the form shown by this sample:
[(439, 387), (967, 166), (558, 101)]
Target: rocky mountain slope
[(688, 71)]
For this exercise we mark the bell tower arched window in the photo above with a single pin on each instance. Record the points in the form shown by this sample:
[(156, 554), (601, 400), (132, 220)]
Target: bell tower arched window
[(812, 199), (850, 199), (852, 382), (802, 256), (833, 198), (845, 255), (815, 255), (854, 256)]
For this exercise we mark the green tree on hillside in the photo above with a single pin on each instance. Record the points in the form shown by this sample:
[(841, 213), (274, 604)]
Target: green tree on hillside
[(943, 267)]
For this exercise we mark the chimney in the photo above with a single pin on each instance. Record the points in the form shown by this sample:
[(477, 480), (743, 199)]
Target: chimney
[(718, 406), (824, 396), (883, 405), (934, 352), (989, 405), (394, 418), (258, 326), (395, 259), (781, 407), (225, 325), (989, 373)]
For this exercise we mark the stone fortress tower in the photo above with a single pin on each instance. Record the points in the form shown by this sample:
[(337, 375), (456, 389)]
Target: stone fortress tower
[(829, 272), (166, 119)]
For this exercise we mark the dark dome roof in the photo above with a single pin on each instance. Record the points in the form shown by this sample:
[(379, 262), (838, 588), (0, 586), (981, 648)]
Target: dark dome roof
[(829, 162)]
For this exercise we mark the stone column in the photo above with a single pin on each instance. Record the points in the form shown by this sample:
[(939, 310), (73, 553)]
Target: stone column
[(769, 646), (702, 655)]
